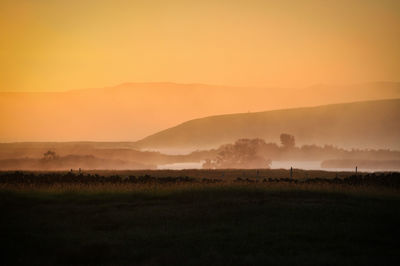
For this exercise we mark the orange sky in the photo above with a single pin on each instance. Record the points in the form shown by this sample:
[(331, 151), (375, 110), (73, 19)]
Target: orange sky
[(56, 46), (61, 45)]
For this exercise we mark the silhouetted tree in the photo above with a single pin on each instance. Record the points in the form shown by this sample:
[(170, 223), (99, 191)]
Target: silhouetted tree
[(244, 153), (49, 155), (287, 140)]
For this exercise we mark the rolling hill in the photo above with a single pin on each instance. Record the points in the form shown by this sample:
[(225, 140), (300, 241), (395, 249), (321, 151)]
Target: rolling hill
[(131, 111), (368, 124)]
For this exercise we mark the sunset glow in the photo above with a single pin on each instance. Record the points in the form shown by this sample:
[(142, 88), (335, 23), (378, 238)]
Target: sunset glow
[(211, 57), (65, 45), (200, 132)]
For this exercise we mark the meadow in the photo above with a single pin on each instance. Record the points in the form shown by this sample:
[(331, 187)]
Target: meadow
[(199, 217)]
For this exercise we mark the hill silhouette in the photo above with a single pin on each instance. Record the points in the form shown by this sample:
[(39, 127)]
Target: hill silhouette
[(369, 124), (131, 111)]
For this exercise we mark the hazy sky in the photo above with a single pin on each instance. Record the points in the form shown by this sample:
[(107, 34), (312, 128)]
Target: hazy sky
[(61, 45)]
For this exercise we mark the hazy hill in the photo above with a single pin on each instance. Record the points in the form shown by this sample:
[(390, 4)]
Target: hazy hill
[(371, 124), (24, 153), (71, 162), (131, 111)]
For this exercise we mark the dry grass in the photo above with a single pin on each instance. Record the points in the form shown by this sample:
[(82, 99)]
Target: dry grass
[(170, 188), (195, 223)]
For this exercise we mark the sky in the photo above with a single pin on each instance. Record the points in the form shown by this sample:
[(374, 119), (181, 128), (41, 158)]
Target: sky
[(48, 45)]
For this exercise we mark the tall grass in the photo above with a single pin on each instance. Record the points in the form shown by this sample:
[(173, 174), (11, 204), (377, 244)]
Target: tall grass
[(160, 190)]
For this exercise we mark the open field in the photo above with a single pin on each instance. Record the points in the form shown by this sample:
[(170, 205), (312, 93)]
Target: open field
[(199, 217), (225, 174)]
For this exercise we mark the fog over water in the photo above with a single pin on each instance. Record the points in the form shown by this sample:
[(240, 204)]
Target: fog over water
[(314, 85), (305, 165)]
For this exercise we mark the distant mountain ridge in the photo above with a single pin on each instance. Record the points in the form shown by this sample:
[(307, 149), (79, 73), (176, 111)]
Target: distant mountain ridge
[(131, 111), (367, 124)]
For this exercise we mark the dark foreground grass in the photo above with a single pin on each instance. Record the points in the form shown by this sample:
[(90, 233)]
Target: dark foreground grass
[(203, 225)]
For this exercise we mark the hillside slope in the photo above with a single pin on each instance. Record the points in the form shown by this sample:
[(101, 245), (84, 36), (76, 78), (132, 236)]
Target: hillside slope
[(371, 124), (131, 111)]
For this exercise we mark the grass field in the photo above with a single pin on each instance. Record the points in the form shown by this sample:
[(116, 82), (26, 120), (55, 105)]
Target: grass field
[(223, 223)]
